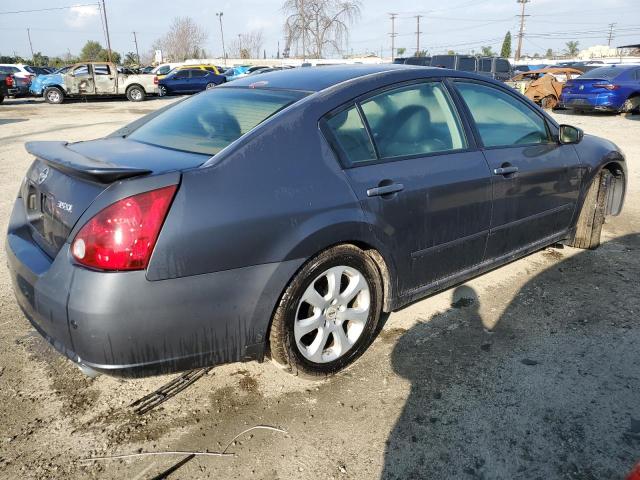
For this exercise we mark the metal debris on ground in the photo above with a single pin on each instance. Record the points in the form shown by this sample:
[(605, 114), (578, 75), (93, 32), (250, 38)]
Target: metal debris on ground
[(164, 393)]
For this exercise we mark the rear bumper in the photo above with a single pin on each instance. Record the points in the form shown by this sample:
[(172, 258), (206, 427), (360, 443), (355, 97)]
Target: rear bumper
[(603, 102), (122, 324)]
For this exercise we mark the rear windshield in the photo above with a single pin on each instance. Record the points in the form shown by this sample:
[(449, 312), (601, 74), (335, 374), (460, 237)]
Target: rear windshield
[(603, 73), (208, 122), (467, 64)]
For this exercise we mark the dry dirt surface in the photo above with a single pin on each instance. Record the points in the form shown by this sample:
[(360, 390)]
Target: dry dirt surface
[(529, 372)]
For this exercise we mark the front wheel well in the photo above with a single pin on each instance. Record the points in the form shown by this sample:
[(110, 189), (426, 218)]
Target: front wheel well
[(615, 195)]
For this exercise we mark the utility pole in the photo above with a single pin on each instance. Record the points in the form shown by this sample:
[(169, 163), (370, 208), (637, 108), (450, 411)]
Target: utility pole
[(224, 52), (106, 26), (135, 40), (30, 44), (240, 43), (521, 33), (418, 17), (611, 26), (393, 34)]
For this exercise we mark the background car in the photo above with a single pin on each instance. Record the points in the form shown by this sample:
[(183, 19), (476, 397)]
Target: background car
[(614, 88), (20, 81), (7, 85), (41, 82), (282, 217), (234, 73), (188, 80), (164, 68)]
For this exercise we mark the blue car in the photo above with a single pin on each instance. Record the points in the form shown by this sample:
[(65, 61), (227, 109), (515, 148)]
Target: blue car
[(41, 82), (282, 215), (235, 73), (188, 80), (614, 88)]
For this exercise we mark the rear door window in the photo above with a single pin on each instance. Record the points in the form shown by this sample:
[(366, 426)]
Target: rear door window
[(102, 70), (181, 74), (351, 136), (501, 119), (502, 66), (443, 61), (414, 120), (467, 64), (485, 65)]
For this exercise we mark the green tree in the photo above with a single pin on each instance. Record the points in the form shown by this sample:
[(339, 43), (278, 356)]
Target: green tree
[(130, 59), (505, 51), (572, 48), (487, 52), (549, 53), (39, 59), (451, 52), (401, 51), (422, 53), (91, 51)]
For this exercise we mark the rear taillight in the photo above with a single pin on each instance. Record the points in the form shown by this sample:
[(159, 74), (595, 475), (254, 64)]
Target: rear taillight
[(122, 236), (607, 86), (9, 80), (155, 79)]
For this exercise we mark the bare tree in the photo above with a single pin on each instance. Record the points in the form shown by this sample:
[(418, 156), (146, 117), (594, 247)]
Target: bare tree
[(320, 25), (247, 45), (184, 39)]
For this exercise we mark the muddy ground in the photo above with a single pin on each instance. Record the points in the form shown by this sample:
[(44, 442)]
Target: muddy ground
[(531, 371)]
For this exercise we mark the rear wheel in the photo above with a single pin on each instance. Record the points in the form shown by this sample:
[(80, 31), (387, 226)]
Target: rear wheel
[(329, 313), (135, 93), (591, 219), (210, 86), (631, 105), (53, 95)]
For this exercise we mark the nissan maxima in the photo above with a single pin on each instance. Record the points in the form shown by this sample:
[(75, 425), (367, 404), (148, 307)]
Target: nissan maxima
[(278, 217)]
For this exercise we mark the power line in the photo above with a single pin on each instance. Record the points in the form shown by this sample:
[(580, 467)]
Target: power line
[(49, 9)]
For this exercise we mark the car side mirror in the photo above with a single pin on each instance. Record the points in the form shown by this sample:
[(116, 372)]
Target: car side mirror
[(569, 134)]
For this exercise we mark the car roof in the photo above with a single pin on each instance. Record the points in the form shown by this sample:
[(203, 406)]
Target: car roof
[(314, 79)]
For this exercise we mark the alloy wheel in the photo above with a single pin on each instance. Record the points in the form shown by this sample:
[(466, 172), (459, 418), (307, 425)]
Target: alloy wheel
[(332, 314)]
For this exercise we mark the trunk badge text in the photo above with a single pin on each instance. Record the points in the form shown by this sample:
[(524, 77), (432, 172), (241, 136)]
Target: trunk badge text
[(67, 207)]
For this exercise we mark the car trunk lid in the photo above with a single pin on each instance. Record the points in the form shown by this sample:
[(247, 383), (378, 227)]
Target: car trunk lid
[(583, 85), (65, 179)]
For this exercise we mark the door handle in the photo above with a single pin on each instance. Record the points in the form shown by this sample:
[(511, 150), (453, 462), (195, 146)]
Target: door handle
[(505, 170), (385, 190)]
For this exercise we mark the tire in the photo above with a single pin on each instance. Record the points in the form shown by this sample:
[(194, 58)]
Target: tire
[(297, 351), (591, 219), (210, 86), (1, 98), (549, 102), (53, 95), (631, 105), (162, 91), (135, 93)]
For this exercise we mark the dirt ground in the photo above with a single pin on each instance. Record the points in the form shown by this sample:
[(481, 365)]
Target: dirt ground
[(531, 371)]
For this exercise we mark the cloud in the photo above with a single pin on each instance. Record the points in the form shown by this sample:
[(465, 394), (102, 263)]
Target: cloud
[(81, 15)]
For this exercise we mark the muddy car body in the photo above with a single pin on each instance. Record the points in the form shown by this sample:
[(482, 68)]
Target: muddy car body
[(98, 79), (543, 86), (281, 215)]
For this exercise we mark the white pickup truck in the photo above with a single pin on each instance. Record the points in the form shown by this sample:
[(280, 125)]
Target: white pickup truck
[(100, 79)]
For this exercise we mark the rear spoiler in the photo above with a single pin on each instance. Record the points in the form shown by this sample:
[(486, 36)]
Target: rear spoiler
[(66, 160)]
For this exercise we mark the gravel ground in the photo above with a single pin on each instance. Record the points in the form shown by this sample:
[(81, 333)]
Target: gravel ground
[(531, 371)]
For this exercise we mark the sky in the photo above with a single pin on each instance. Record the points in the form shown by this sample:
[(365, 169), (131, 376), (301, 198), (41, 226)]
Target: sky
[(460, 25)]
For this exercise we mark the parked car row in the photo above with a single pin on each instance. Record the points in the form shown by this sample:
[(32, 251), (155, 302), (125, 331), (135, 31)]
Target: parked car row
[(493, 67)]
